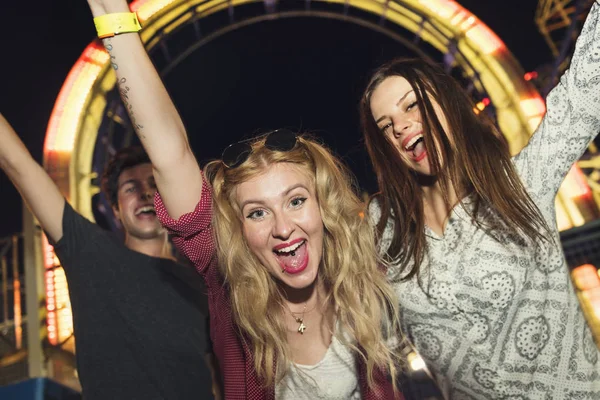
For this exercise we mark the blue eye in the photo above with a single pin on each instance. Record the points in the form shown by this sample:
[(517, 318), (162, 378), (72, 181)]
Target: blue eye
[(297, 201), (256, 214)]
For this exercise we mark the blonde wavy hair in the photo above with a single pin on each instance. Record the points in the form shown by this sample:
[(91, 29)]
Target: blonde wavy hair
[(364, 302)]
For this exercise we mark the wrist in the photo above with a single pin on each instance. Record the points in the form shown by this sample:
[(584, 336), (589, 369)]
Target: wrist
[(111, 24), (109, 7)]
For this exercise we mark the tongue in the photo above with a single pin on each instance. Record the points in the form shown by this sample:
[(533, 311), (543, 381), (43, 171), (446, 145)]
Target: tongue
[(295, 261), (419, 149)]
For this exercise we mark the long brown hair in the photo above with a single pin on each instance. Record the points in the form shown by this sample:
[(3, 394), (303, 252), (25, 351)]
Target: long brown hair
[(476, 161), (364, 301)]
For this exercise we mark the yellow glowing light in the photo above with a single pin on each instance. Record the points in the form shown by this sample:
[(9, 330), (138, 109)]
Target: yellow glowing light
[(443, 8), (534, 122), (484, 38), (563, 221), (533, 106), (59, 317), (575, 184), (416, 362), (585, 277), (62, 128), (146, 9)]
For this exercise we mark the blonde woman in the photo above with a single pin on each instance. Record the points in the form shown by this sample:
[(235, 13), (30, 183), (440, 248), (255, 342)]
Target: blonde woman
[(299, 307), (297, 298)]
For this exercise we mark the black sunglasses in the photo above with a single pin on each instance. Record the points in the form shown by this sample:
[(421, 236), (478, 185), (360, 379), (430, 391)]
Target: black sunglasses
[(235, 154)]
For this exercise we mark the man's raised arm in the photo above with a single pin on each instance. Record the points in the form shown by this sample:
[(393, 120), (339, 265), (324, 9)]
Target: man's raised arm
[(36, 187)]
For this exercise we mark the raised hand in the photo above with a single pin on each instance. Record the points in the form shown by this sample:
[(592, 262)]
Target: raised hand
[(37, 189)]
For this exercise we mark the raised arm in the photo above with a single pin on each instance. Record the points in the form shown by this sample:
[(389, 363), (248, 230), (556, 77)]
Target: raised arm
[(572, 118), (37, 189), (154, 116)]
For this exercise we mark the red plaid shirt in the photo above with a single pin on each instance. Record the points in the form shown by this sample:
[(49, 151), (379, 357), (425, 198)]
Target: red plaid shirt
[(192, 234)]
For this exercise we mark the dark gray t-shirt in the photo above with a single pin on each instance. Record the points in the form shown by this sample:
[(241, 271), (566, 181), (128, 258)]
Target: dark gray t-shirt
[(139, 320)]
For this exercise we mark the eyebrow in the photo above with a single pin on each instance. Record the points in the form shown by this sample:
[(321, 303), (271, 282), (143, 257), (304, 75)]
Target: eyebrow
[(133, 181), (399, 101), (283, 194)]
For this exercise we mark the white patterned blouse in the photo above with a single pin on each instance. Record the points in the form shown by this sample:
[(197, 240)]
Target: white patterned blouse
[(502, 320)]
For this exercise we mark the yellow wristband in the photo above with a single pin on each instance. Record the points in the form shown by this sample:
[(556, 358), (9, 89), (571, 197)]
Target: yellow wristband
[(109, 25)]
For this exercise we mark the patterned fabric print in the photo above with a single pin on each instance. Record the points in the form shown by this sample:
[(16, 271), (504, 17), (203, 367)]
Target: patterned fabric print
[(495, 317)]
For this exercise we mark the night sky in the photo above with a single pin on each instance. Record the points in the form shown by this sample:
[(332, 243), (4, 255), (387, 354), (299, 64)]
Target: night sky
[(300, 73)]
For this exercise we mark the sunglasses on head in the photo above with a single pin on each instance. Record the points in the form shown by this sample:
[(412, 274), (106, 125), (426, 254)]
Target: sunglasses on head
[(235, 154)]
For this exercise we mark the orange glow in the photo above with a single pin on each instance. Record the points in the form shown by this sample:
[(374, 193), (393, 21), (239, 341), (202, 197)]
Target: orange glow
[(585, 277), (444, 8), (146, 9), (576, 183), (59, 318), (62, 127), (484, 38), (534, 106), (530, 75), (475, 30), (592, 299), (50, 300)]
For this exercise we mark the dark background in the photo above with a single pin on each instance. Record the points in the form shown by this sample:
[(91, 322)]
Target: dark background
[(300, 73)]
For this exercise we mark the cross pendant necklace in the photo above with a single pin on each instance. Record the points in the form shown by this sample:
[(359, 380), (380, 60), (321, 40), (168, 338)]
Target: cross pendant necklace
[(301, 327), (300, 320)]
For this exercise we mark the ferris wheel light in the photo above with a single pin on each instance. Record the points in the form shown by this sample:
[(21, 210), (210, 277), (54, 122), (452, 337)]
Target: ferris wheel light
[(484, 38), (146, 8), (533, 106), (444, 8), (62, 128)]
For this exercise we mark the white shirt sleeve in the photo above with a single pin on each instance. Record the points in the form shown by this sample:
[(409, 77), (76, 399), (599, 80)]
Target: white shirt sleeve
[(572, 118)]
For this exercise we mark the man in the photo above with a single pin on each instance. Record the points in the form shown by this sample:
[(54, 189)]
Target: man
[(139, 327)]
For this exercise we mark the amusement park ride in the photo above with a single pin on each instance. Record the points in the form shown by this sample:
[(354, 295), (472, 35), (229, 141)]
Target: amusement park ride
[(89, 121)]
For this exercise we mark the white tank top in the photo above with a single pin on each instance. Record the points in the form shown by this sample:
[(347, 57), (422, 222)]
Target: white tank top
[(335, 377)]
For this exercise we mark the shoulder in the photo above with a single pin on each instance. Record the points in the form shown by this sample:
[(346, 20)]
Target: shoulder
[(374, 209)]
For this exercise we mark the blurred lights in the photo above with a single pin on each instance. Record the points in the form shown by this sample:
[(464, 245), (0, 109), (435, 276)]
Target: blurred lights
[(59, 317), (587, 285), (484, 38), (530, 75), (416, 362), (534, 106), (482, 105), (62, 128), (146, 8), (581, 187), (444, 8), (476, 31)]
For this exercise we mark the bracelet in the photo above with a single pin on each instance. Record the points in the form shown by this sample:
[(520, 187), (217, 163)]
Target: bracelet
[(109, 25)]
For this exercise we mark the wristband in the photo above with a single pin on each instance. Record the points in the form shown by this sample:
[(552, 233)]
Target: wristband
[(109, 25)]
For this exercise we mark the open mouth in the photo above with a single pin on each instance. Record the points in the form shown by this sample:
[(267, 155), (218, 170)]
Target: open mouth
[(292, 258), (416, 147), (146, 210)]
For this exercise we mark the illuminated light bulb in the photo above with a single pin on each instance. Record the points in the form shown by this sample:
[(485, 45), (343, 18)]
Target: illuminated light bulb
[(533, 106)]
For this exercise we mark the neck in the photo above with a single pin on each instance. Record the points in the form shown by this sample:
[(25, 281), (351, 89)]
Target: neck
[(155, 247), (310, 296), (434, 203)]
